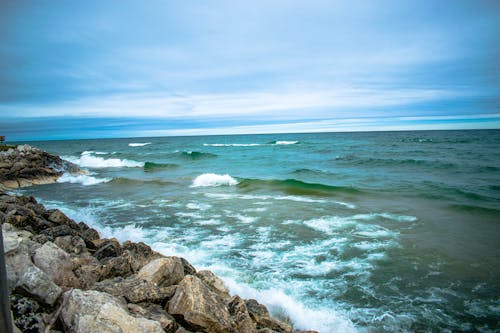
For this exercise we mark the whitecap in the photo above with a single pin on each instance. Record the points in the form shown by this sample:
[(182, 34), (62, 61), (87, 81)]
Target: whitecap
[(286, 142), (138, 144), (198, 206), (232, 144), (389, 216), (85, 180), (212, 179), (86, 160)]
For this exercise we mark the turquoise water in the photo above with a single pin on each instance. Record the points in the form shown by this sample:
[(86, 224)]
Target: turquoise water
[(341, 232)]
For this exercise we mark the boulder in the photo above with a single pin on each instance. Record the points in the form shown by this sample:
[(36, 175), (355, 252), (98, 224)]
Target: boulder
[(93, 311), (241, 318), (196, 307), (163, 271), (37, 284), (154, 312), (133, 289), (215, 283), (107, 248), (260, 315), (57, 264), (140, 253)]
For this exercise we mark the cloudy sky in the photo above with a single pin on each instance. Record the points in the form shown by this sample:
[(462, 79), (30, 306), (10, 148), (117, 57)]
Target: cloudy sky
[(80, 69)]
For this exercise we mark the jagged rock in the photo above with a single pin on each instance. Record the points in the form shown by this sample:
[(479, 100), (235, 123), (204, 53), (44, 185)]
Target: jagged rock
[(140, 254), (57, 264), (182, 330), (74, 245), (241, 318), (215, 283), (196, 307), (107, 248), (93, 311), (163, 271), (37, 284), (188, 268), (117, 266), (88, 271), (155, 312), (134, 289), (260, 315)]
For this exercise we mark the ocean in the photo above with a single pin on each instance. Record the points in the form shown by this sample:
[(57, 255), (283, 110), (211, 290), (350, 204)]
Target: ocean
[(339, 232)]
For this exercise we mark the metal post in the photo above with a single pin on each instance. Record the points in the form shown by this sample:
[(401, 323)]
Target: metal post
[(5, 316)]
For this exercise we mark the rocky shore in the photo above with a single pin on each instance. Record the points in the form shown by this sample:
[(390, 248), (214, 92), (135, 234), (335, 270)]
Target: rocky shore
[(25, 166), (62, 277)]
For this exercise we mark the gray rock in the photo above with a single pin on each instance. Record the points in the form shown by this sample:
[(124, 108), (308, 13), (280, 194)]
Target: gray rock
[(163, 271), (92, 311), (241, 318), (37, 284), (215, 283), (196, 307), (260, 315), (133, 289), (57, 264), (154, 312)]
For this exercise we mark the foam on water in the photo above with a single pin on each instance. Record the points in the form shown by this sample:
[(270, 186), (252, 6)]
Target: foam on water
[(286, 142), (232, 144), (212, 179), (138, 144), (85, 180), (87, 160), (198, 206)]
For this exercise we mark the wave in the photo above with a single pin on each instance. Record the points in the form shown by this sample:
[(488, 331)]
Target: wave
[(212, 179), (87, 160), (132, 181), (295, 187), (232, 144), (284, 142), (85, 180), (377, 162), (152, 166), (312, 172), (196, 155), (137, 144)]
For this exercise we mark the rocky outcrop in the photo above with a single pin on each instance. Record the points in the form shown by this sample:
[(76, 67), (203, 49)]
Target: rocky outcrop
[(24, 166), (63, 276)]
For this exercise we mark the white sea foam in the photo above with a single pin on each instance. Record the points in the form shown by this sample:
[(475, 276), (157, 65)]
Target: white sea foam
[(286, 142), (87, 160), (303, 317), (85, 180), (394, 217), (138, 144), (198, 206), (212, 179)]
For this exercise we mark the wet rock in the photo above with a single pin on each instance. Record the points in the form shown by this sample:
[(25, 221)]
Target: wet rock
[(260, 315), (214, 283), (163, 271), (28, 314), (154, 312), (196, 307), (241, 318), (57, 264), (93, 311), (135, 290)]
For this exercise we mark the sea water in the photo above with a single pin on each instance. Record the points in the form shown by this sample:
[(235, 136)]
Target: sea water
[(339, 232)]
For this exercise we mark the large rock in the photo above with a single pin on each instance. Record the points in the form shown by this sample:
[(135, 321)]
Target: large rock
[(163, 271), (196, 307), (140, 253), (57, 264), (241, 318), (154, 312), (92, 311), (215, 283), (37, 284), (135, 290), (260, 315)]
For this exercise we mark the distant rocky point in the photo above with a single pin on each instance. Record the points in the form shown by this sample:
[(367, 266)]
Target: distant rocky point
[(24, 166), (62, 277)]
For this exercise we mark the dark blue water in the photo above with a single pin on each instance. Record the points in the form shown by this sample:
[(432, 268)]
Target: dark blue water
[(386, 231)]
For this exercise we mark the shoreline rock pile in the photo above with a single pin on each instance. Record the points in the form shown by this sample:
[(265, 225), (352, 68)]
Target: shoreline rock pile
[(25, 166), (62, 277)]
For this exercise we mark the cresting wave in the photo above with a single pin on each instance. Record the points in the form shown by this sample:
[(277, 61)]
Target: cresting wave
[(152, 166), (212, 179), (195, 155), (295, 187), (85, 180), (87, 160), (138, 144)]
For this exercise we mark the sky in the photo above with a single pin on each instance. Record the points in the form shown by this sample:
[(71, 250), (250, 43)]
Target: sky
[(97, 69)]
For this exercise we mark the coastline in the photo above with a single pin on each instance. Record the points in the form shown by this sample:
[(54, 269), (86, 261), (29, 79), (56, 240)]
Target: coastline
[(59, 269)]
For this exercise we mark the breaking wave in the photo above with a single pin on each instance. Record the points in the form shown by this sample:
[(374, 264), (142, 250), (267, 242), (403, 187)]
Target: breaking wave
[(138, 144), (87, 160), (295, 187), (212, 179), (85, 180)]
